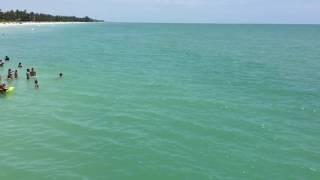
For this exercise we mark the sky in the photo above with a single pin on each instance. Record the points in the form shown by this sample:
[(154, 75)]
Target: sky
[(180, 11)]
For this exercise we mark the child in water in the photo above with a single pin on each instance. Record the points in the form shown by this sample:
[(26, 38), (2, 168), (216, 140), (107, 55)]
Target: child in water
[(16, 74), (36, 84), (20, 65)]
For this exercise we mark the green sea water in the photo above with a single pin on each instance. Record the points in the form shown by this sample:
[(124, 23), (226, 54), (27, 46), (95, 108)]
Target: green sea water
[(162, 101)]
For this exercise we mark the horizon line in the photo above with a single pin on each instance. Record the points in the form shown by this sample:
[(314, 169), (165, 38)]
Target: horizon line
[(217, 23)]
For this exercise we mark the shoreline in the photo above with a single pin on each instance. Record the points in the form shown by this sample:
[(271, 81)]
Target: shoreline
[(17, 24)]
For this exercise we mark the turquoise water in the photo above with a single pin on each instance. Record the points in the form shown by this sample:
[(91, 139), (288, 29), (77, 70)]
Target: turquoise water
[(162, 101)]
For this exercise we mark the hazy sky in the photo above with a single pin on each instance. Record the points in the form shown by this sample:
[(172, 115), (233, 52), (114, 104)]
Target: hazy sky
[(201, 11)]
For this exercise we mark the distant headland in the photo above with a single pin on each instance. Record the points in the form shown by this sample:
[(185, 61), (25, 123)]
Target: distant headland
[(24, 16)]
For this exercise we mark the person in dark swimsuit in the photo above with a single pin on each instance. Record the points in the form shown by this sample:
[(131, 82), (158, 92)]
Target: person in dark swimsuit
[(33, 72), (36, 84), (16, 74)]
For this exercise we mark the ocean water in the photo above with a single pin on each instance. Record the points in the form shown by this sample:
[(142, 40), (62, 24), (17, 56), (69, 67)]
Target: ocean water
[(162, 101)]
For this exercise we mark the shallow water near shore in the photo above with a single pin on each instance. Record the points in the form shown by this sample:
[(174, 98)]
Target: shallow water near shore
[(162, 101)]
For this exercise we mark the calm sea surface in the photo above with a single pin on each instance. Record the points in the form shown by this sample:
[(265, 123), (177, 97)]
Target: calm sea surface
[(162, 101)]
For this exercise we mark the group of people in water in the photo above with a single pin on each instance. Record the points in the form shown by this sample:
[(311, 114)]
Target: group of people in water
[(14, 75), (3, 87), (1, 61)]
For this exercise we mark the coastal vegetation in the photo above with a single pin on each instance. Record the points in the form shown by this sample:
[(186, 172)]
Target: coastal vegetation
[(25, 16)]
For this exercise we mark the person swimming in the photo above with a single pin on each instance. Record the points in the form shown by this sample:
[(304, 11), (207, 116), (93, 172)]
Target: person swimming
[(36, 84), (16, 74), (28, 74), (60, 75), (1, 63), (6, 58), (20, 65)]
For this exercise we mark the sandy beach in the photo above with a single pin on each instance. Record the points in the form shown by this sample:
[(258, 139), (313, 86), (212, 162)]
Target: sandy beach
[(11, 24)]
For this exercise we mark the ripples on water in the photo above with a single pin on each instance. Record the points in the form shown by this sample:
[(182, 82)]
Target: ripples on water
[(162, 101)]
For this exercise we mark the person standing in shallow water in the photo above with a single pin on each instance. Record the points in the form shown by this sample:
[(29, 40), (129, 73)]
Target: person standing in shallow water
[(20, 65), (9, 74), (6, 58), (28, 74), (16, 74), (33, 72), (36, 84)]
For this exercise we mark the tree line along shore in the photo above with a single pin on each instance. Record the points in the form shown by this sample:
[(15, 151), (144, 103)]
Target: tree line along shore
[(25, 16)]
